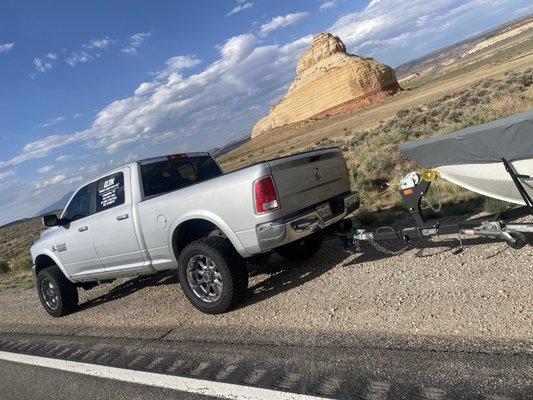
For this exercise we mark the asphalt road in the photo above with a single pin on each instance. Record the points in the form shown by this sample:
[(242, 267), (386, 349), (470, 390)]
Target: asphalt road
[(26, 382), (331, 372)]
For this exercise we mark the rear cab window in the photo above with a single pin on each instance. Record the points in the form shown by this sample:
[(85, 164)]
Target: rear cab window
[(171, 173)]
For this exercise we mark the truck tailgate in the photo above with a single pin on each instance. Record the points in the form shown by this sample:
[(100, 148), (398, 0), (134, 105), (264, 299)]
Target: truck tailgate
[(310, 178)]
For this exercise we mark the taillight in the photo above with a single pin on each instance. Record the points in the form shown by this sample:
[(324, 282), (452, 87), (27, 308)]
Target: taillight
[(266, 197)]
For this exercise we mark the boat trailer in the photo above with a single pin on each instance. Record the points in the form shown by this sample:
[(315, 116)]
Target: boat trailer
[(413, 188)]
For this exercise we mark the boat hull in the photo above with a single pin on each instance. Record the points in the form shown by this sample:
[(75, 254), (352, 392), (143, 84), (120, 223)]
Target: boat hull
[(490, 179)]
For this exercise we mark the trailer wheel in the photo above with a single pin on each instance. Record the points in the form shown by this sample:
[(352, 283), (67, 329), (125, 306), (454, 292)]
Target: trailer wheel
[(212, 274), (58, 295), (519, 240), (302, 249)]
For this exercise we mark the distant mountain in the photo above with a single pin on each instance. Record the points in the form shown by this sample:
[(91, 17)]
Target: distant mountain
[(441, 58), (58, 205), (220, 151), (13, 223)]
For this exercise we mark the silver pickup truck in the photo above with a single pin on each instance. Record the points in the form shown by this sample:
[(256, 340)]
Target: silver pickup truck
[(181, 212)]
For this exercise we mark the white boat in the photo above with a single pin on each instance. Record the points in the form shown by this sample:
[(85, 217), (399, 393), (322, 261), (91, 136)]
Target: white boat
[(493, 159)]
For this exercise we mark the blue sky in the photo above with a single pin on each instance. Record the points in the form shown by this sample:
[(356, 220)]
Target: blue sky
[(87, 85)]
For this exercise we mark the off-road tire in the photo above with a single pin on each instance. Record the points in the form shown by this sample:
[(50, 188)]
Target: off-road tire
[(302, 249), (231, 265), (67, 293)]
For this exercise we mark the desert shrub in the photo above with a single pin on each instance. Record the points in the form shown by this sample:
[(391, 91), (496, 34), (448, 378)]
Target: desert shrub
[(360, 181), (455, 115), (377, 165), (476, 116), (371, 199), (494, 206), (507, 105), (365, 217), (402, 113), (22, 263), (4, 266)]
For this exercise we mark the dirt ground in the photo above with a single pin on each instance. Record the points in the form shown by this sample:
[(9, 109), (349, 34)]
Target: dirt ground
[(484, 293)]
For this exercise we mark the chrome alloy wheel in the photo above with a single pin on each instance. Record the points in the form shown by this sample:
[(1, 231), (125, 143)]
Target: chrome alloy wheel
[(50, 294), (204, 278)]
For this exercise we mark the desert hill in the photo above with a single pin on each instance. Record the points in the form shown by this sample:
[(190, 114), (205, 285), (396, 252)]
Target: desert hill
[(330, 81), (516, 31)]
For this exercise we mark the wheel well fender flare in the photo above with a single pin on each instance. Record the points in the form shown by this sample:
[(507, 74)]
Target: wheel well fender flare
[(46, 254), (212, 218)]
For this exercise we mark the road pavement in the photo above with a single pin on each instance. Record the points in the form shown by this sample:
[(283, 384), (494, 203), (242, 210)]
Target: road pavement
[(326, 372)]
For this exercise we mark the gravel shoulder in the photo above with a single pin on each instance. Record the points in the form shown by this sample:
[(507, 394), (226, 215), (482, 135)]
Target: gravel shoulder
[(480, 299)]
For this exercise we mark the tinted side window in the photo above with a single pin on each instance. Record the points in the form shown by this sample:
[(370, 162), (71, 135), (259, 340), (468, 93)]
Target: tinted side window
[(166, 176), (110, 192), (81, 204)]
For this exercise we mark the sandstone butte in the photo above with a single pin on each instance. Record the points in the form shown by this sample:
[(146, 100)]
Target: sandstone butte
[(330, 81)]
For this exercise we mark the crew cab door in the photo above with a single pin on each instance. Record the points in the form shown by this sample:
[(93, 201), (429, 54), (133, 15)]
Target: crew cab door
[(73, 242), (113, 229)]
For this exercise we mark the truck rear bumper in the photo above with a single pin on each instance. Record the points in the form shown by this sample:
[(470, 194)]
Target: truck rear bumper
[(278, 233)]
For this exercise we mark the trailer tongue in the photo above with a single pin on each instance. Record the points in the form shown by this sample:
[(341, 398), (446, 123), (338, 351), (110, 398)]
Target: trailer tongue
[(498, 227)]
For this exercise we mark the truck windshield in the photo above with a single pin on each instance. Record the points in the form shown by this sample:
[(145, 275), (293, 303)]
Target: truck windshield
[(169, 175)]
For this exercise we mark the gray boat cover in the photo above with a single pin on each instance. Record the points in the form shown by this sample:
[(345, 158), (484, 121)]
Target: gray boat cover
[(510, 138)]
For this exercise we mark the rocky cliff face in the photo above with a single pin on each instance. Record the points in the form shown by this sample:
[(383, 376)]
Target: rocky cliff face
[(329, 81)]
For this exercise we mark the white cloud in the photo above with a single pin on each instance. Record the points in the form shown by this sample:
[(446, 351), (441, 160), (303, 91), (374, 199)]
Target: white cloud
[(131, 157), (4, 48), (78, 57), (53, 121), (78, 115), (240, 7), (63, 158), (200, 109), (328, 5), (381, 31), (6, 174), (51, 56), (282, 21), (41, 65), (135, 41), (72, 179), (49, 182), (57, 180), (102, 43), (45, 169)]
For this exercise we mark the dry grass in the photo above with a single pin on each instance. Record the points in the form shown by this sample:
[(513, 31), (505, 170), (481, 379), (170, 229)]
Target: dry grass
[(16, 281)]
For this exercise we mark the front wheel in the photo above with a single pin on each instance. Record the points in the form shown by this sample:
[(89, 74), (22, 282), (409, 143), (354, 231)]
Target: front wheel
[(58, 295), (212, 275)]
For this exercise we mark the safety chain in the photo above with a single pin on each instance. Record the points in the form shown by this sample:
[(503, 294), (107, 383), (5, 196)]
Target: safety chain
[(385, 250)]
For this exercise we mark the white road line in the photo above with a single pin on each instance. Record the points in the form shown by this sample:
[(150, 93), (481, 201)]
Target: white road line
[(189, 385)]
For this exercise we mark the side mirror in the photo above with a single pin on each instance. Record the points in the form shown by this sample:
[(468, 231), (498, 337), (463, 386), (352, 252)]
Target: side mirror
[(50, 220)]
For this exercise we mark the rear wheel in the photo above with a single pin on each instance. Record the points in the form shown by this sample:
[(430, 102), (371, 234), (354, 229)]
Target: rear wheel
[(302, 249), (212, 275), (58, 295)]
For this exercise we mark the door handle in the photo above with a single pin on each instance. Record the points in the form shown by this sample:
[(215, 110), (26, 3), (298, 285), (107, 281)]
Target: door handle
[(123, 216), (83, 228)]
